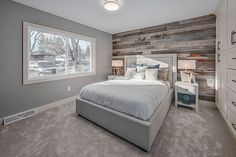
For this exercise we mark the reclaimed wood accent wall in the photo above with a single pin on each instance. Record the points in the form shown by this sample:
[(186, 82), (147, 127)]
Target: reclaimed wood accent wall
[(190, 39)]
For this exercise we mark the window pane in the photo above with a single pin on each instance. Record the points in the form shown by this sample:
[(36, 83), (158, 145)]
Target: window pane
[(52, 54), (80, 58), (47, 54)]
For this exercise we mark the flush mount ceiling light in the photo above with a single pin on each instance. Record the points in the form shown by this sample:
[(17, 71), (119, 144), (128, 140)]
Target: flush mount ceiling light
[(111, 5)]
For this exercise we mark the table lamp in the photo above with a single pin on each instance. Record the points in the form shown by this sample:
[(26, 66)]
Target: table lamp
[(117, 66), (186, 76)]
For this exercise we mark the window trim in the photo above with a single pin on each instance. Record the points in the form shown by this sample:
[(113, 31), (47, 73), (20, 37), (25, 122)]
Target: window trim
[(26, 80)]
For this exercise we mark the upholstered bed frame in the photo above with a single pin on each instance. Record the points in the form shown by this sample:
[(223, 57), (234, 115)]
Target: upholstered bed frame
[(139, 132)]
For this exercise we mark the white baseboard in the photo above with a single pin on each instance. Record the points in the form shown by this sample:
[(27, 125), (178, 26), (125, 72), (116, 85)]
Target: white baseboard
[(45, 107), (55, 104)]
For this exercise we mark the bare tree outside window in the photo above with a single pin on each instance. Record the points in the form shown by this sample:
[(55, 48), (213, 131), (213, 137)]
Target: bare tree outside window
[(79, 56)]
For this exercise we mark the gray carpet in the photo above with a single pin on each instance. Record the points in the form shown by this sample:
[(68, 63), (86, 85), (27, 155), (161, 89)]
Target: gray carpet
[(59, 132)]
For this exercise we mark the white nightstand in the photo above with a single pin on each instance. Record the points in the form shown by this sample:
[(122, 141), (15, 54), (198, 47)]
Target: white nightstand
[(116, 77), (186, 94)]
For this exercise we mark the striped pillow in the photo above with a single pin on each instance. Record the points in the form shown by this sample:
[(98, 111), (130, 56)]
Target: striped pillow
[(163, 74)]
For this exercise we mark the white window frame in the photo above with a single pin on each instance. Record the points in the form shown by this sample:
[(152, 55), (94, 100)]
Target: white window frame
[(46, 29)]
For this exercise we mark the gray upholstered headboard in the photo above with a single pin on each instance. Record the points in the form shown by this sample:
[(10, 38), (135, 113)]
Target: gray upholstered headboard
[(165, 60)]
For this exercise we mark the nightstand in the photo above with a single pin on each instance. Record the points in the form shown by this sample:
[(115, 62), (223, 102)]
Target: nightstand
[(186, 94), (116, 77)]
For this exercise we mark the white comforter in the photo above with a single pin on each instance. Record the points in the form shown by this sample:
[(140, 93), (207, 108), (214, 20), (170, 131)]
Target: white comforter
[(139, 98)]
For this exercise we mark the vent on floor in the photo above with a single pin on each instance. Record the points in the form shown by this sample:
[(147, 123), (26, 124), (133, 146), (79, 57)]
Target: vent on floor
[(17, 117)]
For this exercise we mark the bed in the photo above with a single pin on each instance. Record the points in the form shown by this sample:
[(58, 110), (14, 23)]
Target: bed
[(131, 109)]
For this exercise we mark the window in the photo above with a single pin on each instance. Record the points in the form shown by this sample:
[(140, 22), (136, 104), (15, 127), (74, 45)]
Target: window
[(52, 54)]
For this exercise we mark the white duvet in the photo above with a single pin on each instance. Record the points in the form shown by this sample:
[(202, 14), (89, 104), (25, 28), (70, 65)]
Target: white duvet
[(138, 98)]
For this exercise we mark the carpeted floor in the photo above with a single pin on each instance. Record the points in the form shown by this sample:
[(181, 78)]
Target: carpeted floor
[(59, 132)]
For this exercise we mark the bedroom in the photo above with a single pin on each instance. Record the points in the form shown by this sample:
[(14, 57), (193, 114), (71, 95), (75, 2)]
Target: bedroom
[(118, 78)]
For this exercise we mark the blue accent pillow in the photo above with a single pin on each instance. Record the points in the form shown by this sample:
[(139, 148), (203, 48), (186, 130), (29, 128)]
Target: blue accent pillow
[(154, 66), (145, 65)]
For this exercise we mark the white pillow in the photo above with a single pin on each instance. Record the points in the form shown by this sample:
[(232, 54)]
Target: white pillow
[(130, 72), (139, 76), (151, 74), (141, 68)]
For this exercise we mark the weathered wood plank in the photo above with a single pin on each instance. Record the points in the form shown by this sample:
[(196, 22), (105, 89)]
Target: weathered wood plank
[(197, 27), (182, 36)]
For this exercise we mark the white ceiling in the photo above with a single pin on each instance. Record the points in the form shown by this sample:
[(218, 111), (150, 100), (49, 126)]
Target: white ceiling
[(133, 14)]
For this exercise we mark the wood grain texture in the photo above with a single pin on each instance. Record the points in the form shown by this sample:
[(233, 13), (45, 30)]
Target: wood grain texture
[(190, 39)]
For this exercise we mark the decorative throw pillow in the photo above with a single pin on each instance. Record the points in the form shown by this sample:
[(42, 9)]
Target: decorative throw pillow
[(163, 74), (141, 68), (130, 72), (139, 75), (154, 66), (151, 74)]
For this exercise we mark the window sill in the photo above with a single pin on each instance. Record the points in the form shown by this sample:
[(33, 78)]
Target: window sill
[(55, 78)]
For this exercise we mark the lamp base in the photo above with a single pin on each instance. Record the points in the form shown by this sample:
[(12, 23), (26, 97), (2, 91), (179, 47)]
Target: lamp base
[(117, 71), (186, 76)]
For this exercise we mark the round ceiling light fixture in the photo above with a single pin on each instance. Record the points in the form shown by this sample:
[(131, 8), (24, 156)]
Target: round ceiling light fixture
[(111, 5)]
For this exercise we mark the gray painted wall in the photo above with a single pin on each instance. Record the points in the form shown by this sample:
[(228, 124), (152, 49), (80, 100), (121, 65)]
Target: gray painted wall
[(16, 97)]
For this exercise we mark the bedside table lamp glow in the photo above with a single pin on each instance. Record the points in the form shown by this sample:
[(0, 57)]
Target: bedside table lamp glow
[(117, 66), (186, 76)]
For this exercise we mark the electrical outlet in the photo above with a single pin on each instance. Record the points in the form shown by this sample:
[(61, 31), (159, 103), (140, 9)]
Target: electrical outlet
[(68, 88)]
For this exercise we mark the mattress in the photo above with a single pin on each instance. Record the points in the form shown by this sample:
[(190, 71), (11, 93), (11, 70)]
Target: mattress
[(138, 98)]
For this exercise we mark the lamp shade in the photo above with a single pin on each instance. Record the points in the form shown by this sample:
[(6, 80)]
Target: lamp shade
[(117, 63), (186, 64)]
